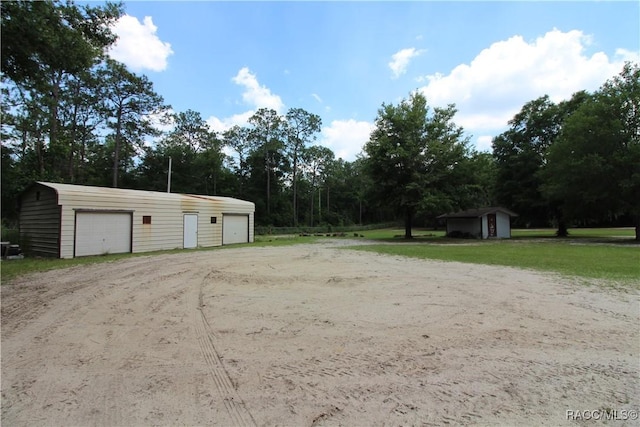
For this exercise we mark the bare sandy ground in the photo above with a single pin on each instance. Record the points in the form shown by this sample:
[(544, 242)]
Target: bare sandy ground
[(313, 335)]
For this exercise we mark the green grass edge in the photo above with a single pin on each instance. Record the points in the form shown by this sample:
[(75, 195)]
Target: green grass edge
[(589, 254)]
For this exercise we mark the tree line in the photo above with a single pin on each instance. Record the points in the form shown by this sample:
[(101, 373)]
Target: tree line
[(71, 114)]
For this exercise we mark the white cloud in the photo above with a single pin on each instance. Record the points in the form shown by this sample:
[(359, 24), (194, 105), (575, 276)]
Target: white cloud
[(400, 60), (483, 143), (138, 46), (495, 85), (317, 97), (627, 55), (221, 125), (346, 137), (255, 94), (163, 121)]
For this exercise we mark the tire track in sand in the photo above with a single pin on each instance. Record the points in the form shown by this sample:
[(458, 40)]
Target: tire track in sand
[(233, 404)]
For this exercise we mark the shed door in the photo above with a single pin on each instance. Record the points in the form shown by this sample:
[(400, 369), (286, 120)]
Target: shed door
[(491, 224), (235, 229), (190, 231), (100, 233)]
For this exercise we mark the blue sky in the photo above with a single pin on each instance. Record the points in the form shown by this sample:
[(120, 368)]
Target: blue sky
[(342, 60)]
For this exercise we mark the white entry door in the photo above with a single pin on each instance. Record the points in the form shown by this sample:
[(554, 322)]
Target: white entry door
[(190, 231)]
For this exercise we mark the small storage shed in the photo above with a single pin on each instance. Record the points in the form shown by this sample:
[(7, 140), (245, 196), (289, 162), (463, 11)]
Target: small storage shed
[(66, 221), (483, 223)]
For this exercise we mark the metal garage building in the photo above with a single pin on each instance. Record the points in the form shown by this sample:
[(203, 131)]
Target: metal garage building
[(66, 221)]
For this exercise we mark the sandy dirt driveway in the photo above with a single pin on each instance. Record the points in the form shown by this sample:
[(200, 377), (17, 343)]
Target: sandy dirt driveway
[(312, 335)]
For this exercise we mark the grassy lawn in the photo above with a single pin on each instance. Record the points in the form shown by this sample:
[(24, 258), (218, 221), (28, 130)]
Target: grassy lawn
[(590, 253), (271, 240), (15, 268), (539, 233), (577, 233), (605, 253)]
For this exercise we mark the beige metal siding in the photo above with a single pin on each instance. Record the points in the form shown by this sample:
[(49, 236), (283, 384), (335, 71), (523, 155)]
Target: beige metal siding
[(229, 205), (165, 209), (40, 221), (166, 230)]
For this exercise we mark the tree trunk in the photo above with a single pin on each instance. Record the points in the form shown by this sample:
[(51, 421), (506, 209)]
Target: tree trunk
[(53, 118), (319, 205), (23, 149), (72, 143), (241, 175), (313, 194), (562, 229), (40, 154), (326, 209), (268, 167), (81, 162), (116, 154), (638, 228), (408, 222), (295, 190)]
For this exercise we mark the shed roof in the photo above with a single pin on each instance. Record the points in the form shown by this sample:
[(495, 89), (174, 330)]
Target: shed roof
[(67, 190), (477, 213)]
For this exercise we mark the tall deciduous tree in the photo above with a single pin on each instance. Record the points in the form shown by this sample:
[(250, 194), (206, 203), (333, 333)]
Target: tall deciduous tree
[(130, 101), (46, 46), (302, 128), (195, 151), (316, 161), (41, 38), (411, 154), (237, 138), (521, 154), (268, 134), (189, 131), (24, 127), (594, 167), (48, 50)]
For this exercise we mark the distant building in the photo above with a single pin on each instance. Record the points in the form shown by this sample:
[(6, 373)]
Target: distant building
[(482, 223), (67, 221)]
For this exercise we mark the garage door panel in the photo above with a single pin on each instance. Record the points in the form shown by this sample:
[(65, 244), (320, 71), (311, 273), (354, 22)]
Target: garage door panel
[(99, 233), (235, 229)]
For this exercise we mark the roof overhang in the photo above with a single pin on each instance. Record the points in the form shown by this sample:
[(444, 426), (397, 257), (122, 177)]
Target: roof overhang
[(476, 213)]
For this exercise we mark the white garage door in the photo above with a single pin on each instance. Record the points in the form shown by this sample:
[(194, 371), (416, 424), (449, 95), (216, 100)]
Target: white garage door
[(99, 233), (235, 229)]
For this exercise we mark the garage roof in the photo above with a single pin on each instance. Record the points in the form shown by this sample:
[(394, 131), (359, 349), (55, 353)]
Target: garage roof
[(477, 213), (69, 190)]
